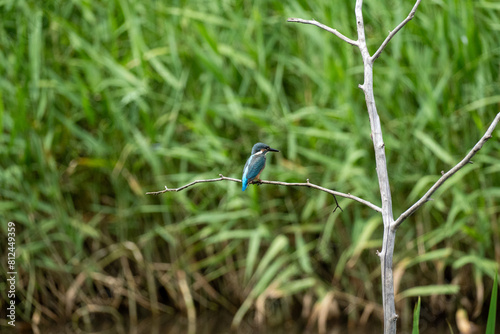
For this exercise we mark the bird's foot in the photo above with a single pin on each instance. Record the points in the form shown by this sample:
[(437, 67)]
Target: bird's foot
[(257, 182)]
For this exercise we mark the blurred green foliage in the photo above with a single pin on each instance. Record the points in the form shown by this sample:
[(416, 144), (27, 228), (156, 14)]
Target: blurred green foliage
[(102, 101)]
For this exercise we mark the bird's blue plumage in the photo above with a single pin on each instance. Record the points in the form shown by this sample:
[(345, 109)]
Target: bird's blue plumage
[(255, 164)]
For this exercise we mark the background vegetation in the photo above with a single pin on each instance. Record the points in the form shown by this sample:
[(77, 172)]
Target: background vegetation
[(102, 101)]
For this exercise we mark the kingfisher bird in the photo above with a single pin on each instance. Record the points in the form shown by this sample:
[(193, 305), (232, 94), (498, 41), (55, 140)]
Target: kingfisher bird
[(255, 164)]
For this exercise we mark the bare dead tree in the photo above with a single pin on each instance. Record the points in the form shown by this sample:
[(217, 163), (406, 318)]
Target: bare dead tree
[(390, 224)]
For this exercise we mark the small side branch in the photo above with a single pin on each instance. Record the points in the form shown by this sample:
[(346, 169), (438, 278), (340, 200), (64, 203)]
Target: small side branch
[(306, 184), (395, 31), (447, 175), (325, 27)]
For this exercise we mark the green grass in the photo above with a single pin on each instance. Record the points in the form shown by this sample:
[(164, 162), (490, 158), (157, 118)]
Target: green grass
[(102, 101), (416, 317), (492, 313)]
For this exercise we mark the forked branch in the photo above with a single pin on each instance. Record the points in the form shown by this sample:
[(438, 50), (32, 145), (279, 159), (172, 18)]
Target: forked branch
[(447, 175), (288, 184), (356, 43)]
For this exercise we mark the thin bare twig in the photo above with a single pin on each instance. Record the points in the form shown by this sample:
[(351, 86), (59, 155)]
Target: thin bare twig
[(395, 31), (447, 175), (221, 178), (288, 184), (325, 27)]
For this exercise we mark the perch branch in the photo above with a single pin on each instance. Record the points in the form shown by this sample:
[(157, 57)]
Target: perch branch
[(221, 178), (325, 27), (395, 31), (306, 184), (447, 175)]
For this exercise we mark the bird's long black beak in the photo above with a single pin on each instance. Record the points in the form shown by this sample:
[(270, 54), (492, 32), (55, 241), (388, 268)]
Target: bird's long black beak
[(272, 150)]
